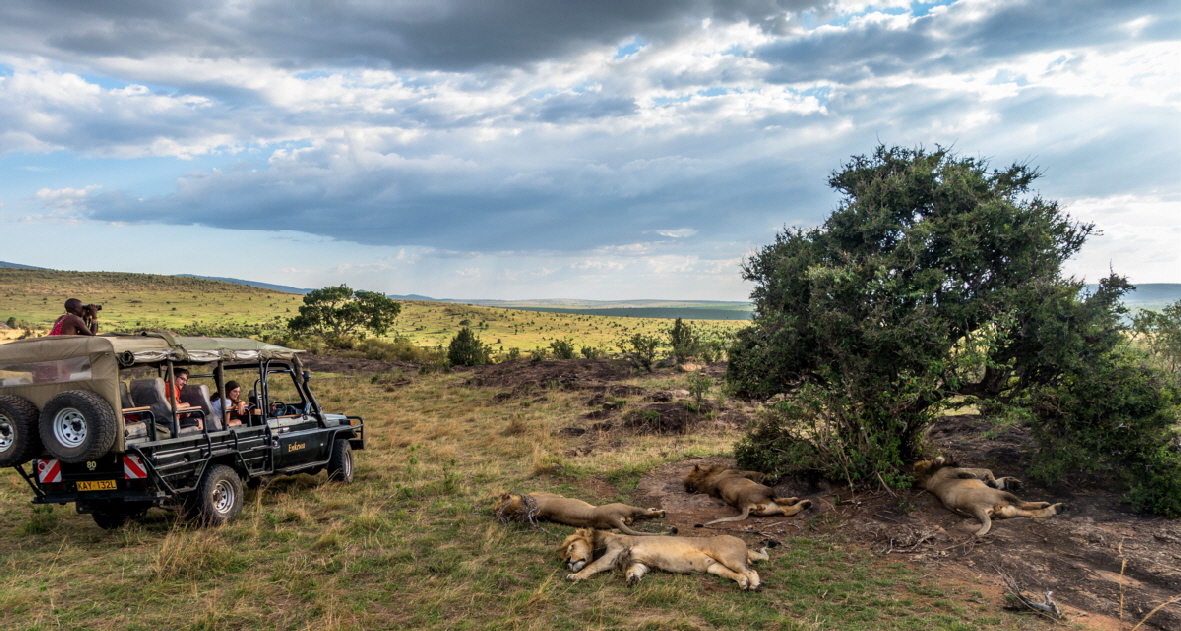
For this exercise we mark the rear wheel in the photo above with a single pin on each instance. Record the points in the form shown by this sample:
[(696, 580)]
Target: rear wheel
[(340, 465), (77, 426), (109, 521), (19, 437), (218, 497)]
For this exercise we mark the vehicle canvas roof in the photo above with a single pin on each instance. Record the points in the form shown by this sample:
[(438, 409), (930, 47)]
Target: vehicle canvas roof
[(139, 349)]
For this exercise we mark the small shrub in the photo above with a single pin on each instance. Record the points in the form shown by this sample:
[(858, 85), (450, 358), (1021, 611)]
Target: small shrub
[(699, 386), (467, 350), (1118, 414), (513, 353), (591, 352), (538, 355), (640, 349), (563, 349)]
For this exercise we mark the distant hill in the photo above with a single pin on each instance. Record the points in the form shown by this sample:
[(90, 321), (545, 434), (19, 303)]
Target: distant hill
[(250, 283), (19, 266)]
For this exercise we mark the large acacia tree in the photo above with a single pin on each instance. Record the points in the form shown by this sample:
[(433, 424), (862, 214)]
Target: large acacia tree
[(338, 311), (936, 277)]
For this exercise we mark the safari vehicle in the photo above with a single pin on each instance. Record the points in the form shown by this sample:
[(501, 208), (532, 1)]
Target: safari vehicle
[(94, 417)]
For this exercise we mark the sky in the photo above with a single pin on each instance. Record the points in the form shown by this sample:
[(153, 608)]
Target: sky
[(595, 149)]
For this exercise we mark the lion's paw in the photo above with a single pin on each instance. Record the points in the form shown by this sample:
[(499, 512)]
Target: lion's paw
[(573, 577), (633, 579), (1060, 508)]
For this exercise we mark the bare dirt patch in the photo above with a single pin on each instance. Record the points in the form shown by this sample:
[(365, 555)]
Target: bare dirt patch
[(354, 366), (1092, 557)]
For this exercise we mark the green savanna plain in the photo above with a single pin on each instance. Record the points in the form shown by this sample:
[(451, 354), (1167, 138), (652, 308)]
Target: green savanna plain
[(413, 542)]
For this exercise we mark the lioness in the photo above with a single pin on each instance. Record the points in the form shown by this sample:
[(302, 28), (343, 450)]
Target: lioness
[(722, 555), (742, 490), (577, 513), (978, 493)]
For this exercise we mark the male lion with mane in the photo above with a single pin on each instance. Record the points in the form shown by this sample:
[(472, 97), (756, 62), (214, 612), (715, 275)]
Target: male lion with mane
[(577, 513), (977, 492), (722, 555), (743, 491)]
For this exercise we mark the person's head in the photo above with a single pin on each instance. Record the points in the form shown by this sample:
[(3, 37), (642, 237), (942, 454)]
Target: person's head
[(233, 390), (74, 306), (180, 377)]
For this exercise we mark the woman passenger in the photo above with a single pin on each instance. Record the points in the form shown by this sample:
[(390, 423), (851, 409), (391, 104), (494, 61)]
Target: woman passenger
[(235, 411)]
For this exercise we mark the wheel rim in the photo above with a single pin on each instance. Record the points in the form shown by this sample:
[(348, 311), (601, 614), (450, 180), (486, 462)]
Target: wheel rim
[(69, 428), (7, 433), (223, 497), (347, 468)]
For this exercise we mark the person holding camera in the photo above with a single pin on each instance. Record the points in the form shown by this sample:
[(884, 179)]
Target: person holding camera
[(79, 319)]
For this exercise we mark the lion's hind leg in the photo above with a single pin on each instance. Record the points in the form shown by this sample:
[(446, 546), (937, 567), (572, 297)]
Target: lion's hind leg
[(1028, 509), (792, 505), (759, 555), (742, 578)]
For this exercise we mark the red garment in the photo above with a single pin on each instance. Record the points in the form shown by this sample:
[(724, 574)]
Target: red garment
[(57, 326)]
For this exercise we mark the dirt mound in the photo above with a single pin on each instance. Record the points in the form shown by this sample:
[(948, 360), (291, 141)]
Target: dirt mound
[(570, 374), (1079, 555), (665, 418), (354, 366)]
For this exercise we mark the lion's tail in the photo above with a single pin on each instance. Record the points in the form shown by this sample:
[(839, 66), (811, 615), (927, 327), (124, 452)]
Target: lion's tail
[(744, 515), (624, 528)]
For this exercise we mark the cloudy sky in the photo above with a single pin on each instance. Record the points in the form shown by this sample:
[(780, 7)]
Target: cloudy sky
[(555, 148)]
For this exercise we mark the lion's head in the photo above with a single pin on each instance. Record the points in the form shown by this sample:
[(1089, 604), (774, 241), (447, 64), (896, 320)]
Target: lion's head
[(699, 477), (578, 549), (924, 469)]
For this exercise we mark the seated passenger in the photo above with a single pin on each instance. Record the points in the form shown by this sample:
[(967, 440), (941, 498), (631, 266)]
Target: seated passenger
[(234, 411), (180, 377)]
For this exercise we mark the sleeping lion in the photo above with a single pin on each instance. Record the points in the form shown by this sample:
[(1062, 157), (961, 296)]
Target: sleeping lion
[(978, 493), (577, 513), (722, 555), (743, 491)]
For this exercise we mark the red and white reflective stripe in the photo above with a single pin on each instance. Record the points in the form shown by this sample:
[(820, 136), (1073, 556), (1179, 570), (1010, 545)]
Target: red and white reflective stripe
[(133, 468), (49, 471)]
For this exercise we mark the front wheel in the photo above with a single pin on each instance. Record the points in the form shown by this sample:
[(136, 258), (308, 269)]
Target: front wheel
[(218, 497), (340, 465)]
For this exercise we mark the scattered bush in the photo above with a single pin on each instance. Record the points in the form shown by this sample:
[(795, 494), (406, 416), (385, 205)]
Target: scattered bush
[(513, 353), (563, 349), (683, 339), (699, 386), (538, 355), (1117, 414), (467, 350), (1161, 333), (640, 349), (591, 352)]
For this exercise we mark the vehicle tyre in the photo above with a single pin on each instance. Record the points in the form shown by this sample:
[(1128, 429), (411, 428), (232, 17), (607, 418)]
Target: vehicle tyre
[(109, 521), (78, 425), (218, 497), (20, 439), (340, 465)]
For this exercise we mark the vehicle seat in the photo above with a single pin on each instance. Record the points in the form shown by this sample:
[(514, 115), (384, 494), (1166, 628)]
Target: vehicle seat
[(125, 394), (150, 392), (198, 394)]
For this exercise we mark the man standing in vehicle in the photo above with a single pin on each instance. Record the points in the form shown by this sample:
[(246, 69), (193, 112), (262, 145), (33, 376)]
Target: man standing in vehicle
[(79, 319)]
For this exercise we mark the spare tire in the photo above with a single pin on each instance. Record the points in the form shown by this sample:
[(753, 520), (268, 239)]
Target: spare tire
[(19, 438), (78, 425)]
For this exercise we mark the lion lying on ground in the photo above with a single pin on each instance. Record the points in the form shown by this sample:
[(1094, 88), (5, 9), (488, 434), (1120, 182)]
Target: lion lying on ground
[(978, 493), (577, 513), (743, 491), (722, 555)]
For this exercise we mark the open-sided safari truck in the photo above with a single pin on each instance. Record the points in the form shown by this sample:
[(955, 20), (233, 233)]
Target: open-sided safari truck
[(93, 416)]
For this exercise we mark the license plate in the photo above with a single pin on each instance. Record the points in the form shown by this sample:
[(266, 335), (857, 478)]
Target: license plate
[(96, 485)]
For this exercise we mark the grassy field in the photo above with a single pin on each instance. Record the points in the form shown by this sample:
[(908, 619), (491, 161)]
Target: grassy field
[(413, 543), (137, 301)]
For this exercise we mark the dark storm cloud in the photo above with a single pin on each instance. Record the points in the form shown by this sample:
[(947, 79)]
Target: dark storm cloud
[(427, 34), (952, 42)]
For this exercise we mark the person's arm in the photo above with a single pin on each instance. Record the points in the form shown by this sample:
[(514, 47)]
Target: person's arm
[(75, 325)]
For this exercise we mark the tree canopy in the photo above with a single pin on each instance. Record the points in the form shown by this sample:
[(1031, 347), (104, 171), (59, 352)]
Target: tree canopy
[(934, 278), (338, 311)]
